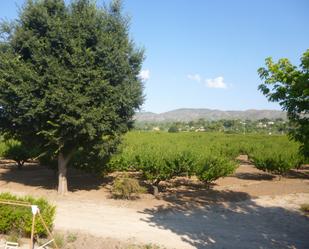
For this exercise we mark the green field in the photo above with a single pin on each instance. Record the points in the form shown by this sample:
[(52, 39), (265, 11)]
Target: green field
[(161, 155)]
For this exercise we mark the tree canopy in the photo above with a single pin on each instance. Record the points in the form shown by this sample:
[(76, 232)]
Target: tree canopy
[(69, 77), (289, 85)]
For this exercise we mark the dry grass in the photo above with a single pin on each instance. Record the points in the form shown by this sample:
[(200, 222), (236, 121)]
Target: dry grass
[(305, 208)]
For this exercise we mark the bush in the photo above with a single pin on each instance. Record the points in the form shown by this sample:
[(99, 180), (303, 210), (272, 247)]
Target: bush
[(305, 208), (16, 151), (126, 188), (71, 237), (173, 129), (18, 218), (181, 163), (164, 165), (276, 163), (213, 168), (162, 156), (13, 236), (59, 240)]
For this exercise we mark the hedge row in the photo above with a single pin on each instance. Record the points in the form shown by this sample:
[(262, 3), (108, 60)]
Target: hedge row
[(162, 156), (19, 219)]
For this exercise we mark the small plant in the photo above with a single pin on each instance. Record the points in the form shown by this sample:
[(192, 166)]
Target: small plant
[(14, 236), (16, 151), (71, 237), (173, 129), (150, 246), (305, 208), (147, 246), (125, 188), (59, 240)]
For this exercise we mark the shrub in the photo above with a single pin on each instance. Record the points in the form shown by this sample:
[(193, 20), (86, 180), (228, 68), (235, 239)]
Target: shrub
[(213, 168), (59, 239), (14, 236), (173, 129), (162, 156), (71, 237), (126, 188), (16, 151), (162, 165), (18, 218), (181, 163), (305, 208), (276, 163)]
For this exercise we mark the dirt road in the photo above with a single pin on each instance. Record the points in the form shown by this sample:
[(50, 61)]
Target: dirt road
[(247, 224), (248, 210)]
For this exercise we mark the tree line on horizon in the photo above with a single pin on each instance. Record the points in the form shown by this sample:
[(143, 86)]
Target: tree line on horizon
[(263, 126)]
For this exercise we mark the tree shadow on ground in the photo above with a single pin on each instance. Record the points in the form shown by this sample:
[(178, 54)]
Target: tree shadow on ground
[(254, 176), (46, 178), (298, 174), (302, 173), (229, 219)]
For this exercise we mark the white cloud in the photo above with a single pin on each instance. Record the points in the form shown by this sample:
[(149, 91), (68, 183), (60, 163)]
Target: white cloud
[(216, 83), (144, 75), (195, 77)]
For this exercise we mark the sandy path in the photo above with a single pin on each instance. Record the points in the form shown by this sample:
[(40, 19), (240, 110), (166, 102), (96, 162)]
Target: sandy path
[(115, 222), (250, 209), (266, 222)]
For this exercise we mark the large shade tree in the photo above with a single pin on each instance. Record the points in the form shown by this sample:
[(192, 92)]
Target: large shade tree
[(68, 78), (289, 85)]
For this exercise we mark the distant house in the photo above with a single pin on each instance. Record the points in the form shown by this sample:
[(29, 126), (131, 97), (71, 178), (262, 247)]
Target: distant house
[(261, 125), (201, 129)]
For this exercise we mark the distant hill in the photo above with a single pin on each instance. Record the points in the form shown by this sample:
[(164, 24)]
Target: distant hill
[(188, 114)]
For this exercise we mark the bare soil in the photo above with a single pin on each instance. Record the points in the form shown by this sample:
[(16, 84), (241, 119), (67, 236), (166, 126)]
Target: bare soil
[(251, 209)]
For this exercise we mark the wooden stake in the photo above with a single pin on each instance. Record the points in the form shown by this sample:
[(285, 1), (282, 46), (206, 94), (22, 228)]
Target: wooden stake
[(23, 204), (32, 232), (49, 233)]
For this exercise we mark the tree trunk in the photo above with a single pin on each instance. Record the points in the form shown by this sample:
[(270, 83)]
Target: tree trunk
[(62, 174), (155, 188), (20, 164)]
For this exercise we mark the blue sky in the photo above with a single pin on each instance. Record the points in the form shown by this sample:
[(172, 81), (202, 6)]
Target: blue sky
[(205, 53)]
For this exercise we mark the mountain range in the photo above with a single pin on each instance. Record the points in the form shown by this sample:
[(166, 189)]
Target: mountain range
[(189, 114)]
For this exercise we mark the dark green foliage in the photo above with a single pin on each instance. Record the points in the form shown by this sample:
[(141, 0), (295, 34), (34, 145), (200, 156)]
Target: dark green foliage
[(69, 77), (95, 159), (19, 219), (49, 160), (215, 167), (289, 85), (18, 152), (173, 129)]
